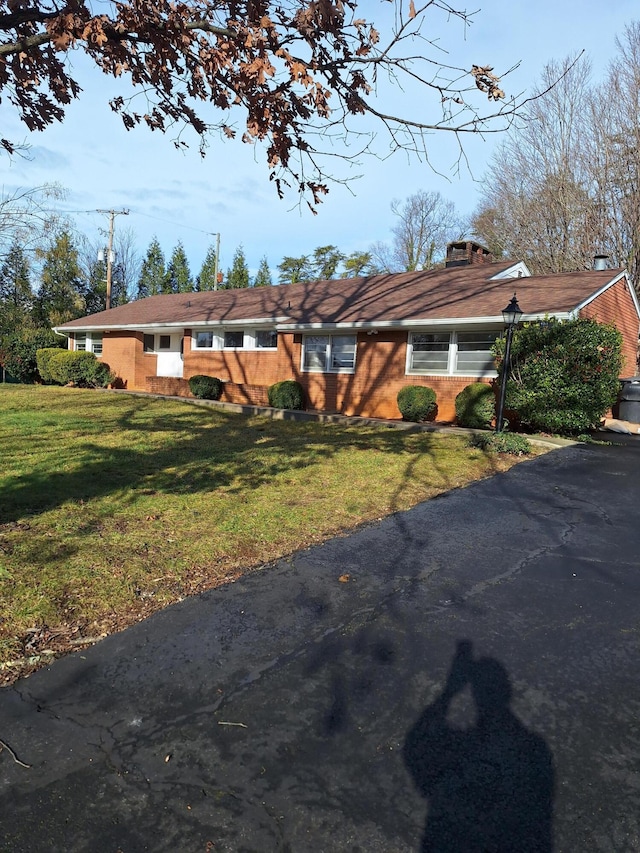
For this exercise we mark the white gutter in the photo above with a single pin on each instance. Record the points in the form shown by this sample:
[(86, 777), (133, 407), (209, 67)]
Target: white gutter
[(454, 322), (190, 324)]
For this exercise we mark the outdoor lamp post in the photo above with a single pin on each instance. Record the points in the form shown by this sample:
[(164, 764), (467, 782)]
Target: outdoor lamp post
[(511, 314)]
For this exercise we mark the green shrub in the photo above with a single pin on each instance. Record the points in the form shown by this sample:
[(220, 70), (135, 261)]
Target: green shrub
[(502, 442), (564, 374), (476, 406), (18, 352), (287, 394), (417, 403), (205, 387), (79, 368), (43, 356)]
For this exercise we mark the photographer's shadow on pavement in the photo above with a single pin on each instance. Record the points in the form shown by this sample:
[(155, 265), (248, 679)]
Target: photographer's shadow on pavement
[(489, 787)]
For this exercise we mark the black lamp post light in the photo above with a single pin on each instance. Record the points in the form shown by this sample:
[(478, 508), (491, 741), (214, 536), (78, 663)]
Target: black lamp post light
[(511, 314)]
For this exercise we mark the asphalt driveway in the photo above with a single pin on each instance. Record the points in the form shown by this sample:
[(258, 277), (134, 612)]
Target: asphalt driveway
[(460, 677)]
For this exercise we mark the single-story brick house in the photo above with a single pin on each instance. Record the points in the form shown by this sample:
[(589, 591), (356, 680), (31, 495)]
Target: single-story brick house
[(351, 343)]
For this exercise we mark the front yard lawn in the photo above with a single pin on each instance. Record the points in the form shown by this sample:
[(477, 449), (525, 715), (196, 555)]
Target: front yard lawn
[(112, 506)]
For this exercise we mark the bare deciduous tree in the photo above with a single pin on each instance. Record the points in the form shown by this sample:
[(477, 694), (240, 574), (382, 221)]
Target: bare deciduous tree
[(425, 223), (536, 201)]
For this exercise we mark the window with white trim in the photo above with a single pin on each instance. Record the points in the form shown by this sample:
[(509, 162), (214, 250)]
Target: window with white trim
[(474, 352), (149, 343), (234, 340), (88, 342), (203, 340), (329, 353), (452, 353), (96, 343), (266, 339), (430, 352)]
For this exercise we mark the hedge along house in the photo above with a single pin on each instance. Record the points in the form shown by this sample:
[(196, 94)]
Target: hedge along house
[(351, 343)]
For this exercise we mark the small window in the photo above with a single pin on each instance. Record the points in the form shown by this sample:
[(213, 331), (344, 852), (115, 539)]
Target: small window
[(233, 340), (204, 340), (149, 343), (165, 342), (81, 342), (266, 339), (430, 352), (96, 343)]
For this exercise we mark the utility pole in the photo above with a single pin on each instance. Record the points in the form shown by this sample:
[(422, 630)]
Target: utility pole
[(217, 266), (112, 215)]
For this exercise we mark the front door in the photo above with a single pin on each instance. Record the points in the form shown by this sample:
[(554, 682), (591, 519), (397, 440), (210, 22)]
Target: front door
[(169, 351)]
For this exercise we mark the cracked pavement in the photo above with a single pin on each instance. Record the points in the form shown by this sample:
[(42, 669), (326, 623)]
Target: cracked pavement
[(290, 711)]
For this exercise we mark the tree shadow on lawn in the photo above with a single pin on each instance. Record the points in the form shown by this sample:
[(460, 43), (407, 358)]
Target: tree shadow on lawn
[(231, 452)]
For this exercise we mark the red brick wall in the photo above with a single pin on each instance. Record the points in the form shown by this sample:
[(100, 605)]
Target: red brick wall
[(124, 353), (615, 306), (241, 367), (372, 390)]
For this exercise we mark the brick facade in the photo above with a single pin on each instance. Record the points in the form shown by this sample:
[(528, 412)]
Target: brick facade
[(616, 308), (370, 391)]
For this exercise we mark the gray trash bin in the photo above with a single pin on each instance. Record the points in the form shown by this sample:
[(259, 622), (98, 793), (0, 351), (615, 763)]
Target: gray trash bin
[(629, 399)]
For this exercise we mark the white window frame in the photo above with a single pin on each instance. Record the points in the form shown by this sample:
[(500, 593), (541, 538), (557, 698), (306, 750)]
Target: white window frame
[(328, 354), (249, 339), (90, 340), (452, 358), (216, 340), (234, 332)]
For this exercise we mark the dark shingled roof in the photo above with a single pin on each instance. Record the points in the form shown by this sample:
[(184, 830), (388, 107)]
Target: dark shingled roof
[(455, 293)]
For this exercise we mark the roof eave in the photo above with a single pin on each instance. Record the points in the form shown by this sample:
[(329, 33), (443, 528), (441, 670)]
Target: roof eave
[(419, 323), (623, 274)]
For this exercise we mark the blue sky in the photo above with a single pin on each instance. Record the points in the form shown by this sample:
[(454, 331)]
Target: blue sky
[(176, 195)]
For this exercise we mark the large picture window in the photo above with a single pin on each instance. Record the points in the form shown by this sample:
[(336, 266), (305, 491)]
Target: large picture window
[(329, 353), (452, 353)]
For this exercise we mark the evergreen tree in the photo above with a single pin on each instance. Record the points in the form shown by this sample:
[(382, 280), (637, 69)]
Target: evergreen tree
[(293, 270), (96, 291), (263, 276), (359, 263), (16, 294), (178, 278), (153, 272), (326, 260), (61, 294), (238, 275), (207, 277)]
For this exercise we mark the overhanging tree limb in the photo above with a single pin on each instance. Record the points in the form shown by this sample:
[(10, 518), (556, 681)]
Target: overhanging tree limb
[(293, 67)]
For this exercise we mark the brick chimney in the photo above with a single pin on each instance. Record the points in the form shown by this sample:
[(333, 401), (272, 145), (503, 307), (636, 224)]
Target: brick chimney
[(467, 252)]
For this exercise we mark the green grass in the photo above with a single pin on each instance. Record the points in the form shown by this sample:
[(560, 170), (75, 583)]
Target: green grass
[(112, 506)]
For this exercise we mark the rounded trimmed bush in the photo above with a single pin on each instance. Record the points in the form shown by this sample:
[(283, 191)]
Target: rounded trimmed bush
[(43, 357), (417, 403), (476, 406), (287, 394), (78, 368), (205, 387)]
